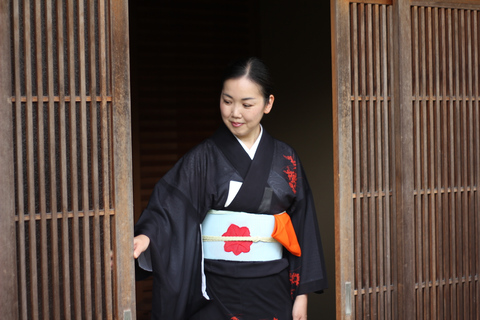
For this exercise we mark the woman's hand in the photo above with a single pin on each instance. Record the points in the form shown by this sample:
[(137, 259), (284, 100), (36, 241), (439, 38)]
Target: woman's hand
[(299, 311), (140, 244)]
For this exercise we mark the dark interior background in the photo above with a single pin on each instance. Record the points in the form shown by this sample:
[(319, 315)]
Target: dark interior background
[(178, 51)]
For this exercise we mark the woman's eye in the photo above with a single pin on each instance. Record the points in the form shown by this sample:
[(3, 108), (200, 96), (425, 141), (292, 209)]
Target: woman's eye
[(226, 101), (247, 105)]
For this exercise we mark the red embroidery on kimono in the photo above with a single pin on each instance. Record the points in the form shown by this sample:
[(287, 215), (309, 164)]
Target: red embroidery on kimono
[(291, 172), (234, 318), (292, 293), (237, 247), (294, 278), (294, 281)]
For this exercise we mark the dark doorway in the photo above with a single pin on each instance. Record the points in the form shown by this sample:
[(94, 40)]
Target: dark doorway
[(178, 51)]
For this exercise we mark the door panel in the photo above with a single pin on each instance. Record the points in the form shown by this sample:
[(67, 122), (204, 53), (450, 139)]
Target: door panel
[(373, 156), (365, 124), (445, 110), (70, 147), (406, 90)]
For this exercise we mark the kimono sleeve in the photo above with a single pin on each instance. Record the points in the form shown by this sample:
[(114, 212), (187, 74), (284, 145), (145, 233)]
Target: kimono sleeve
[(172, 222), (307, 272)]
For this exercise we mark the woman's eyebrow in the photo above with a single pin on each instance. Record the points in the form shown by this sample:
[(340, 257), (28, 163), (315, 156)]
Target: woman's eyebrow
[(229, 96)]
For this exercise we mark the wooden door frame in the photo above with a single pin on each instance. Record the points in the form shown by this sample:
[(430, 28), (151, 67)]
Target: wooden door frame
[(403, 193), (8, 274), (342, 151), (122, 148)]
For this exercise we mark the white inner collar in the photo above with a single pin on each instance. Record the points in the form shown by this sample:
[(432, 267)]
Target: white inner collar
[(251, 152)]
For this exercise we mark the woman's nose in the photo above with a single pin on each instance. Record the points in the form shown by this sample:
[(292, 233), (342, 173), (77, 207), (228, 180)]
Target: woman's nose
[(236, 111)]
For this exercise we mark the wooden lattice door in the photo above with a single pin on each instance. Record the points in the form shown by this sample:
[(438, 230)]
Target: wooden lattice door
[(407, 123), (66, 203)]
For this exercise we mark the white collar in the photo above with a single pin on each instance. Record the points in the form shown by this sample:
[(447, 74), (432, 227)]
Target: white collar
[(251, 152)]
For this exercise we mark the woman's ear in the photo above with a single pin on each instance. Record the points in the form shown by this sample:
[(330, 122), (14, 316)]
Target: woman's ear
[(269, 105)]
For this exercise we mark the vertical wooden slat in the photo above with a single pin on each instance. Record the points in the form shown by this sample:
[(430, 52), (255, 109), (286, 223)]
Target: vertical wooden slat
[(386, 52), (476, 85), (382, 191), (62, 127), (53, 165), (453, 255), (431, 286), (124, 283), (85, 256), (356, 152), (457, 166), (45, 287), (417, 178), (469, 198), (442, 190), (393, 116), (74, 192), (103, 22), (416, 57), (473, 217), (358, 164), (438, 274), (94, 161), (8, 275), (459, 162), (364, 162), (30, 163), (370, 159), (424, 170), (356, 168), (463, 274), (445, 156)]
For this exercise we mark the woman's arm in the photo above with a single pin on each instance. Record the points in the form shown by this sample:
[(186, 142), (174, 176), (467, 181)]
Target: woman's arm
[(299, 311)]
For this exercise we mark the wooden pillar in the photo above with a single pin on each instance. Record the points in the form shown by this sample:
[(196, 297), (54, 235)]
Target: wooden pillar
[(404, 200), (342, 136), (123, 185), (8, 269)]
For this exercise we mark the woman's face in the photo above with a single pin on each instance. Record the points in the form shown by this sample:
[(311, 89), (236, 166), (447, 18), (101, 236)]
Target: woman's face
[(242, 106)]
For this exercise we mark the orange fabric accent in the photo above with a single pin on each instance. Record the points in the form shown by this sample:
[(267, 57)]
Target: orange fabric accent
[(284, 233)]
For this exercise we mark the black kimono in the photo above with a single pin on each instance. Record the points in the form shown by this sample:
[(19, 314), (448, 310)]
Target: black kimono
[(272, 182)]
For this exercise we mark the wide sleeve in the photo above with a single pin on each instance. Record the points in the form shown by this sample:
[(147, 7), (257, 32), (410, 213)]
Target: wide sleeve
[(307, 272), (172, 222)]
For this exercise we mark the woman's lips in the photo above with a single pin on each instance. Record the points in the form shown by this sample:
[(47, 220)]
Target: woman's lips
[(236, 124)]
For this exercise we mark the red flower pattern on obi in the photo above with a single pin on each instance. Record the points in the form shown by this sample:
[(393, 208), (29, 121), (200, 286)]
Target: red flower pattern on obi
[(291, 173), (237, 247)]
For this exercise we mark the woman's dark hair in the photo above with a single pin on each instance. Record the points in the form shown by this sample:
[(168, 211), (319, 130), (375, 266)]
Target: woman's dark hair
[(255, 70)]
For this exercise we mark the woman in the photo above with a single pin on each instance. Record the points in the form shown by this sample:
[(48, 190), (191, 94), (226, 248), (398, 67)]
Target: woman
[(230, 231)]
